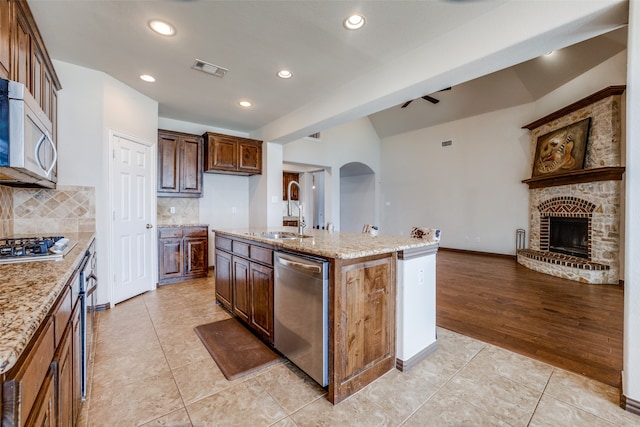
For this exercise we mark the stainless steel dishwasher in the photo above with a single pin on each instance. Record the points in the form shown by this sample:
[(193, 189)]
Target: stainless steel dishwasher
[(301, 326)]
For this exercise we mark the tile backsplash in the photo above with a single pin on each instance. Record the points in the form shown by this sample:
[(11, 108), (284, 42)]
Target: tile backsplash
[(187, 210), (43, 211), (6, 211)]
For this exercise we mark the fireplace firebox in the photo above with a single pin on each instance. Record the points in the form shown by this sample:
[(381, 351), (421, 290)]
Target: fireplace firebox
[(569, 236)]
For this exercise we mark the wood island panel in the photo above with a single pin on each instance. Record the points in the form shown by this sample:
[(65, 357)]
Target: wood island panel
[(361, 323)]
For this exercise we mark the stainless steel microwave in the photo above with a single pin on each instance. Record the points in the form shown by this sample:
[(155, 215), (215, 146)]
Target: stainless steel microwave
[(28, 154)]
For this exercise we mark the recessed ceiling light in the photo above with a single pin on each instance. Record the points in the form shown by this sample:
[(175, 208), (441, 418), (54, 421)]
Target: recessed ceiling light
[(354, 22), (550, 53), (162, 27), (245, 104), (148, 78), (285, 74)]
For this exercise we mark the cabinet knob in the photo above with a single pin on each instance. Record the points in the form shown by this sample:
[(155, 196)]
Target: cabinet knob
[(149, 226)]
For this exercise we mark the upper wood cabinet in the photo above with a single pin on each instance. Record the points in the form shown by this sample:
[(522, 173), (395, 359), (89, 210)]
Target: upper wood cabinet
[(179, 164), (5, 36), (24, 57), (287, 177), (232, 154)]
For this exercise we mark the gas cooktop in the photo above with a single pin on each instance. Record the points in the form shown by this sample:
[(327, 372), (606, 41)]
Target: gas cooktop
[(24, 249)]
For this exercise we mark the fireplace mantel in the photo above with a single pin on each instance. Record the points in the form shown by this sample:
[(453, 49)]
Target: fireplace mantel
[(611, 173)]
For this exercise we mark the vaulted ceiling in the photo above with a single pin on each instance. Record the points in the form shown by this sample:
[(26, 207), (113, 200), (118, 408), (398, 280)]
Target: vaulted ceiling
[(406, 49)]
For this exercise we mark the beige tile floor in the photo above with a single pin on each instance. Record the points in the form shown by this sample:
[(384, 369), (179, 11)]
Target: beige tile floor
[(151, 369)]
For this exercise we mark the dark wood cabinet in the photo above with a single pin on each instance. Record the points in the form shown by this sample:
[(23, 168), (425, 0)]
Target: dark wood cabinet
[(241, 289), (224, 278), (287, 177), (183, 253), (179, 164), (244, 283), (5, 36), (262, 299), (63, 363), (28, 58), (44, 410), (76, 345), (232, 154)]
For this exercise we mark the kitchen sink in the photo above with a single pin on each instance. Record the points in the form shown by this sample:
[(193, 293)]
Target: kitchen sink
[(277, 235)]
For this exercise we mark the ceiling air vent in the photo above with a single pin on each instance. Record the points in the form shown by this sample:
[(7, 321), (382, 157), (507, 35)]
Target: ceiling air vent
[(315, 135), (209, 68)]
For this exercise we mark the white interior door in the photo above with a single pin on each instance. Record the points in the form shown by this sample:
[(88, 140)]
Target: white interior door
[(133, 231)]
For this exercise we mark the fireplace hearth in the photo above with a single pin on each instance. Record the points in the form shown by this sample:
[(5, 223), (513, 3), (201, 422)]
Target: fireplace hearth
[(569, 236)]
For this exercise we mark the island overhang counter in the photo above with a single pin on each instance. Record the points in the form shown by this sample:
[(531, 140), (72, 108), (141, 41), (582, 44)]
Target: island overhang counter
[(363, 283)]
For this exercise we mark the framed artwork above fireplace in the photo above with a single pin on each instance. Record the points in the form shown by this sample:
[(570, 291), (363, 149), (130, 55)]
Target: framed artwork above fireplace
[(562, 150)]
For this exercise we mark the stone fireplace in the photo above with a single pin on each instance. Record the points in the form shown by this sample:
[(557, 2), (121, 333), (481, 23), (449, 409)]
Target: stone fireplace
[(574, 217)]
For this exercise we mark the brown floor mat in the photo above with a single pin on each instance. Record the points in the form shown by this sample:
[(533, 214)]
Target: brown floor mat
[(234, 348)]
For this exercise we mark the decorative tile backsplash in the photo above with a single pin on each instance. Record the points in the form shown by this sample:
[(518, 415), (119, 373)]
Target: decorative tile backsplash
[(6, 211), (187, 210), (42, 211)]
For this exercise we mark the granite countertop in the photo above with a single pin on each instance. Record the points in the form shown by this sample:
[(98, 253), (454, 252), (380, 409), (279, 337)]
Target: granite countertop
[(333, 244), (181, 225), (28, 291)]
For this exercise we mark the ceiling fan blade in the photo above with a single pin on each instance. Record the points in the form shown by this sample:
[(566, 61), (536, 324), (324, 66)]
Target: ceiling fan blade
[(430, 99), (406, 103)]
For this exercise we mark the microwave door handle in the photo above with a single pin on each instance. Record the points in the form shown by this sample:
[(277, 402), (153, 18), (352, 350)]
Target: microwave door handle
[(49, 168)]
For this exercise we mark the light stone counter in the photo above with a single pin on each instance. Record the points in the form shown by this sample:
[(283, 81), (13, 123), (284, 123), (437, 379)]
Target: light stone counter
[(335, 244), (28, 291)]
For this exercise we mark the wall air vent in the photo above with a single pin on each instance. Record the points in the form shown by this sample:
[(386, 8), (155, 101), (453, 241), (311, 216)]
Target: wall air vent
[(209, 68)]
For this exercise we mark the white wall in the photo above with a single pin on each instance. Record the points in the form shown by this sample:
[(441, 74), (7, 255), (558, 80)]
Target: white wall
[(470, 190), (91, 104), (357, 202), (355, 141)]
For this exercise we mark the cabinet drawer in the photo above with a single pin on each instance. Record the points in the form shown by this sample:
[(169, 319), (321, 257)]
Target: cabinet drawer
[(62, 314), (167, 233), (21, 389), (241, 249), (195, 232), (223, 243), (262, 255)]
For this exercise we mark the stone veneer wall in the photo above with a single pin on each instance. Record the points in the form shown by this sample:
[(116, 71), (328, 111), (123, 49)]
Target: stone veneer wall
[(603, 149), (6, 211), (187, 210), (68, 209)]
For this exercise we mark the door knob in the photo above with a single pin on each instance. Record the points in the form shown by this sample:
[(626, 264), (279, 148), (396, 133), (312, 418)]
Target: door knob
[(149, 226)]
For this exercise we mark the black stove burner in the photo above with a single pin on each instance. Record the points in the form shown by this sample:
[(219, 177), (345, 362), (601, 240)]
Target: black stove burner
[(26, 246)]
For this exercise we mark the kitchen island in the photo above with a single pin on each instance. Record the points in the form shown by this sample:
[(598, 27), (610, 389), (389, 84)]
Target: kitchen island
[(362, 287)]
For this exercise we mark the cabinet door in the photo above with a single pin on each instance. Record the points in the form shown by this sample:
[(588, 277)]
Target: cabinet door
[(5, 37), (170, 258), (196, 249), (262, 300), (168, 164), (44, 410), (21, 49), (76, 348), (241, 289), (64, 363), (249, 156), (287, 177), (191, 165), (224, 278), (222, 153)]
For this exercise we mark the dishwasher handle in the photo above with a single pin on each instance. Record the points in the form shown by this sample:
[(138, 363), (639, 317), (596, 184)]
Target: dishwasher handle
[(300, 266)]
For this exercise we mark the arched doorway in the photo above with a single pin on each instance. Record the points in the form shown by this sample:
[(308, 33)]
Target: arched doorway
[(357, 196)]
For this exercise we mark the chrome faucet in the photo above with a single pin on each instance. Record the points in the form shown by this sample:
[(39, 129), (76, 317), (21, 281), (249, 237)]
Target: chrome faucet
[(301, 224)]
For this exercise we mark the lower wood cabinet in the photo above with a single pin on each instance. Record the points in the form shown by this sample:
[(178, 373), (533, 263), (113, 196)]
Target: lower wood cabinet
[(244, 283), (183, 253), (44, 410)]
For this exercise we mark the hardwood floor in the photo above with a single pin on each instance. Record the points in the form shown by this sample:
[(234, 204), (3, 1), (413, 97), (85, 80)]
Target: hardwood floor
[(571, 325)]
